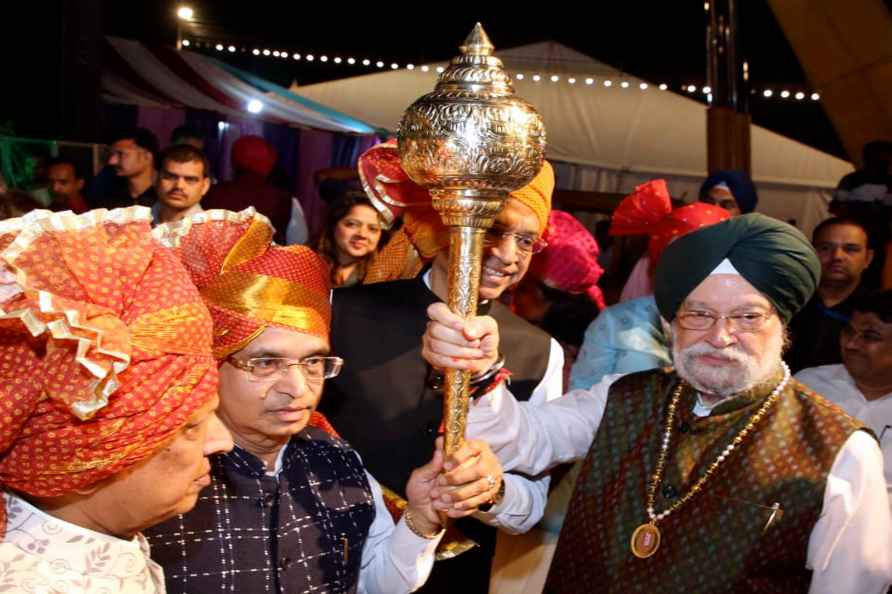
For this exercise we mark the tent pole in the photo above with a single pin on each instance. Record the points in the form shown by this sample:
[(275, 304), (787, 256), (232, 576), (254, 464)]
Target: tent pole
[(727, 119)]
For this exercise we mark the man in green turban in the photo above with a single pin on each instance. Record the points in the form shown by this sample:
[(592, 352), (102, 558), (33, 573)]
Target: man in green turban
[(722, 474)]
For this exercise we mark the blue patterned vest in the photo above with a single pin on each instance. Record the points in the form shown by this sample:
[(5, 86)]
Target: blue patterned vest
[(298, 532)]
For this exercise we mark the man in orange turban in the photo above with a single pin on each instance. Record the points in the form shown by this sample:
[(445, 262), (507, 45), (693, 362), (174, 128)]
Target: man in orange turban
[(291, 509), (388, 402), (107, 395)]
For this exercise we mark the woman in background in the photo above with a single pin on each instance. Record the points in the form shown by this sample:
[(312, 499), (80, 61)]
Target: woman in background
[(353, 234)]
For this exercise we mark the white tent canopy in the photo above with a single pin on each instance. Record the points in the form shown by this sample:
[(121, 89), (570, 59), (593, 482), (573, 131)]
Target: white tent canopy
[(611, 138)]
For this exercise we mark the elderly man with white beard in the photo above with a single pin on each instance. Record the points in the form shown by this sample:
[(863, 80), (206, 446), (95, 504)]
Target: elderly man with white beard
[(721, 475)]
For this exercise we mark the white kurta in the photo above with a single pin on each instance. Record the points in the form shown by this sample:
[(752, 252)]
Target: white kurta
[(41, 554), (850, 548), (834, 383)]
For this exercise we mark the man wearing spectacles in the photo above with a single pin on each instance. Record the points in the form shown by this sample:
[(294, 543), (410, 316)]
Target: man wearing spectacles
[(725, 452), (292, 508), (388, 402), (862, 383)]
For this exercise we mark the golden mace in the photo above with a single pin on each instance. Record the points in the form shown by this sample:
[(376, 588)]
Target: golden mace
[(469, 142)]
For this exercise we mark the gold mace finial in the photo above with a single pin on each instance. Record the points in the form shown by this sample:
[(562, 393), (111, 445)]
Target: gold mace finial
[(477, 42), (470, 142)]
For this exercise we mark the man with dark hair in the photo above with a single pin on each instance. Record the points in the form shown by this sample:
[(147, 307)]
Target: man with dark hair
[(130, 176), (388, 401), (873, 182), (862, 383), (187, 135), (844, 251), (66, 184), (182, 182)]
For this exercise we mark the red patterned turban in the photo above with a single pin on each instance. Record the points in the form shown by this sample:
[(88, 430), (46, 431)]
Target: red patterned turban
[(105, 348), (648, 211), (570, 262), (247, 282)]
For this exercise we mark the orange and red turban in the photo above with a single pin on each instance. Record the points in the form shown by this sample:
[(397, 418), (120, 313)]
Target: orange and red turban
[(423, 234), (247, 282), (105, 348)]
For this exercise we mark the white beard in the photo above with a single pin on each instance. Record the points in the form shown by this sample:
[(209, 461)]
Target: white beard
[(745, 371)]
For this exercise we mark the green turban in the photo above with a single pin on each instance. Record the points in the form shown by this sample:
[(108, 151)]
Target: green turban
[(773, 256)]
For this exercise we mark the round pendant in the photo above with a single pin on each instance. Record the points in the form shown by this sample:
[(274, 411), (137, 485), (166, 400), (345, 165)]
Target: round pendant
[(645, 540)]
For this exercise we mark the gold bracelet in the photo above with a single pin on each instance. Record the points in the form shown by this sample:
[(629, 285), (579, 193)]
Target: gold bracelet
[(407, 515)]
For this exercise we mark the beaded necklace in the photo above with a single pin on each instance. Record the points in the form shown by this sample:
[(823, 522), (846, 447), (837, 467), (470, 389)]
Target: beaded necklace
[(646, 538)]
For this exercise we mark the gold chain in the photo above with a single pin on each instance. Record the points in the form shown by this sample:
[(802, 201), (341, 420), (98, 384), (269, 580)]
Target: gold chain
[(664, 450)]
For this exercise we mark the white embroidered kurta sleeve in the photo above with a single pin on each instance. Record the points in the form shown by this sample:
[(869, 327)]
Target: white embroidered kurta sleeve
[(41, 553)]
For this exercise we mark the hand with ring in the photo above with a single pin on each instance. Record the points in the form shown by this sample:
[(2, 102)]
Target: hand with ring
[(472, 478)]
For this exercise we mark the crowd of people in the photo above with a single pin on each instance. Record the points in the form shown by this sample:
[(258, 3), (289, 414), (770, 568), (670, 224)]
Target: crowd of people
[(198, 396)]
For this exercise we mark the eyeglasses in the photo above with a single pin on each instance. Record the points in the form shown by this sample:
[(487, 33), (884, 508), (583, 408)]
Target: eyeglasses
[(704, 320), (525, 243), (315, 369), (868, 335)]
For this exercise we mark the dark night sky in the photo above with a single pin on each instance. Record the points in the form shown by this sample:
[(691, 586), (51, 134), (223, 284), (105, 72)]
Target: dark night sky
[(657, 41)]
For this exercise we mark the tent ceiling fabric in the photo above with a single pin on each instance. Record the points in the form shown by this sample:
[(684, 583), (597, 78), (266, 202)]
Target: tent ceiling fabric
[(136, 74), (650, 132), (845, 48)]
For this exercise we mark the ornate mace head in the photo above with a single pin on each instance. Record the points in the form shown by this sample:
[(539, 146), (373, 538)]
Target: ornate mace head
[(471, 140)]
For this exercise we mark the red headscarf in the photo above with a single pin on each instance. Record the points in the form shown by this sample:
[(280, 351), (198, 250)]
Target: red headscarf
[(105, 348), (648, 211)]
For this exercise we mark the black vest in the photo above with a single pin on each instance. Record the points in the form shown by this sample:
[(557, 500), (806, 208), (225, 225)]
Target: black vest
[(300, 531), (382, 402)]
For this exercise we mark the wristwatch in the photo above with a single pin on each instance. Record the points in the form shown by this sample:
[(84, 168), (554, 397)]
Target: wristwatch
[(496, 499)]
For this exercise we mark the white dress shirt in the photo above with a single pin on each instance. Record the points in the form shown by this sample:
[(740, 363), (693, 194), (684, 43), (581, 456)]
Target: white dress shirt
[(834, 383), (525, 496), (850, 547)]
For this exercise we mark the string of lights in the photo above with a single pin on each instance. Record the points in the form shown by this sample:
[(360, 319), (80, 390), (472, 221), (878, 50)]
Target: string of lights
[(790, 93)]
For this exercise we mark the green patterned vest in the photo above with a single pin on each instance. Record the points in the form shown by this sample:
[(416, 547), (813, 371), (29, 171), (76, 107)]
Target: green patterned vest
[(721, 540)]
